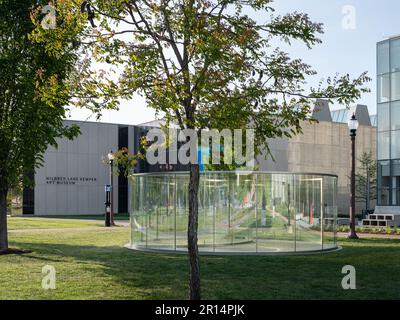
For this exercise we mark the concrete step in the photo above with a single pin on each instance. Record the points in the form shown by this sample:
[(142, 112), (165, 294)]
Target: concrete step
[(378, 223), (395, 210), (381, 216)]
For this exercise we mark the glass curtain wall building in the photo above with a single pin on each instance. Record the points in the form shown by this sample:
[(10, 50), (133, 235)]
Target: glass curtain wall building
[(246, 212), (388, 75)]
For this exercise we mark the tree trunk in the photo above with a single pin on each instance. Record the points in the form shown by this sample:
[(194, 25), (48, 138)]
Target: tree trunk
[(3, 221), (194, 263)]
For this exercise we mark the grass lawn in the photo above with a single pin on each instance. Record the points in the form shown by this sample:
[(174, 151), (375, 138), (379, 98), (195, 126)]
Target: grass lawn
[(92, 264), (15, 223), (100, 217)]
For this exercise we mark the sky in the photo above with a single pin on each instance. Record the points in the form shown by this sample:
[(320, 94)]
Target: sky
[(351, 30)]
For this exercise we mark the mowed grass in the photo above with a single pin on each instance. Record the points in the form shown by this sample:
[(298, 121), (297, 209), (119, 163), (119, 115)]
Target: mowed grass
[(93, 264), (19, 223)]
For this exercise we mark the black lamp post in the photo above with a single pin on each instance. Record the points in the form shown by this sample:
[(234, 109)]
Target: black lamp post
[(110, 157), (353, 126)]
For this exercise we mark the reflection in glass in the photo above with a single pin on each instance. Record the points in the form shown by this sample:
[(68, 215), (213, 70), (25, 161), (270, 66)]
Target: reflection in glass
[(383, 196), (238, 212), (395, 115), (383, 57), (383, 182), (383, 145), (394, 55), (384, 173), (383, 88), (395, 91), (384, 117), (395, 144)]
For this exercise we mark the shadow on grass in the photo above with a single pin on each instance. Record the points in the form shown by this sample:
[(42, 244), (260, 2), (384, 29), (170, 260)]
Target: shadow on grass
[(164, 276), (13, 251)]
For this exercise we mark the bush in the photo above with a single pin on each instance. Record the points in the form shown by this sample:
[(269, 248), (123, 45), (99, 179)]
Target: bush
[(369, 230)]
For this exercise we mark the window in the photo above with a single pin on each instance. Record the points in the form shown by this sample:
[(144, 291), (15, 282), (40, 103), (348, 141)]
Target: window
[(383, 145), (374, 120), (383, 117), (383, 57), (383, 173), (383, 182), (340, 115), (383, 197), (396, 197), (396, 182), (395, 86), (395, 55), (395, 115), (383, 88), (396, 170), (395, 144)]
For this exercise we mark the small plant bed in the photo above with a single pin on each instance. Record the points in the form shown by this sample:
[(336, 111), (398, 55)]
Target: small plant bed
[(371, 230)]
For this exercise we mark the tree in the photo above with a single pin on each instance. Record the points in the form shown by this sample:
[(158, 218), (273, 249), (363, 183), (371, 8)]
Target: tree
[(366, 179), (32, 96), (203, 64)]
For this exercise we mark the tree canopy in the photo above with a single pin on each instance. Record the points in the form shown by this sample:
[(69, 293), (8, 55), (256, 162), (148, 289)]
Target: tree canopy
[(203, 64), (32, 98)]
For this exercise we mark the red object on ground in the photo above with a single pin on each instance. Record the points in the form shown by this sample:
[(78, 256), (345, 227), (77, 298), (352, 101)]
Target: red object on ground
[(311, 214)]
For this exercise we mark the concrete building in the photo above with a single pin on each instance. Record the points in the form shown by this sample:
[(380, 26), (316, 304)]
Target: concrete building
[(73, 177), (325, 147)]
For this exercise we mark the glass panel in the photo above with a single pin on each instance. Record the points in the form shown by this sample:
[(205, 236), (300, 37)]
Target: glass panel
[(308, 232), (243, 223), (383, 174), (181, 211), (397, 196), (137, 215), (165, 218), (383, 197), (384, 117), (394, 190), (383, 182), (153, 205), (373, 119), (384, 88), (395, 144), (383, 57), (395, 115), (395, 182), (266, 230), (330, 213), (395, 94), (207, 211), (395, 55), (222, 221), (396, 169), (238, 212), (383, 145)]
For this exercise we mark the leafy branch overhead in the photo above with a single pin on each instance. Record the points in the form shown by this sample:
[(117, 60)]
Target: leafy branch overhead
[(203, 64)]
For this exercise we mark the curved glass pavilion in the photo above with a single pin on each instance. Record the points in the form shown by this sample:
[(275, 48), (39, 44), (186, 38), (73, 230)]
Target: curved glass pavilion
[(239, 212)]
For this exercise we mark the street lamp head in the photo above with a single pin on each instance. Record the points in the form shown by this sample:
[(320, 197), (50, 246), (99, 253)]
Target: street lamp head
[(353, 124), (110, 156)]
